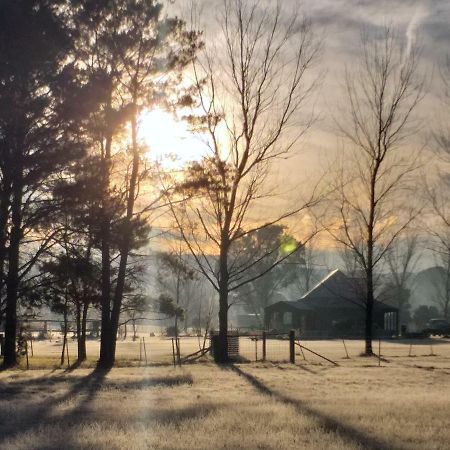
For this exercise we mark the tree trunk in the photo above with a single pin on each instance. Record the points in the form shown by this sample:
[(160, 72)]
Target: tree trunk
[(105, 346), (178, 302), (223, 325), (369, 315), (134, 329), (12, 280), (5, 203), (64, 335), (370, 265), (82, 339), (125, 248), (4, 209), (223, 297), (175, 325), (78, 321)]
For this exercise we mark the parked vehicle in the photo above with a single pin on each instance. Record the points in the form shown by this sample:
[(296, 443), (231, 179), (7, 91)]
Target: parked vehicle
[(437, 327)]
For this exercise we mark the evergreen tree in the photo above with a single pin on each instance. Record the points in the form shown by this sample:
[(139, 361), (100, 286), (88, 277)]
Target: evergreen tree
[(36, 140), (136, 55)]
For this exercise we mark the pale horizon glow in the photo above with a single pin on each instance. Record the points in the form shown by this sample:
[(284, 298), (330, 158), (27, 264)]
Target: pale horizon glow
[(169, 139)]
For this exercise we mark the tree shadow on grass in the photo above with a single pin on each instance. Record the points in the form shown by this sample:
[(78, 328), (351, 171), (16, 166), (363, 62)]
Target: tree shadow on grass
[(31, 416), (307, 369), (327, 423), (150, 382), (76, 365), (73, 422)]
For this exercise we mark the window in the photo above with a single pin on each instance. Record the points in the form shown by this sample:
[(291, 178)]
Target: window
[(390, 321), (287, 318)]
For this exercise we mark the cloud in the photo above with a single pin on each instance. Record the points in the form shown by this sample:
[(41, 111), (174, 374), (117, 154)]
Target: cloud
[(421, 12)]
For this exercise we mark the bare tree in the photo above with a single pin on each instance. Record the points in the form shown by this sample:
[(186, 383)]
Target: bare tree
[(438, 225), (401, 260), (307, 270), (368, 206), (250, 101), (438, 228)]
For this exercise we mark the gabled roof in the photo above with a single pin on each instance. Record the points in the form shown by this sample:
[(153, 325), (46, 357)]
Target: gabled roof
[(336, 290)]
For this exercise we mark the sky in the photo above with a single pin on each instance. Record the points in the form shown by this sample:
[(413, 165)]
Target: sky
[(424, 22), (340, 23)]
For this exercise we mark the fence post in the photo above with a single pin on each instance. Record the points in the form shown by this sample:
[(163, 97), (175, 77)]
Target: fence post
[(379, 352), (173, 353), (263, 345), (67, 352), (26, 352), (345, 347), (292, 346), (177, 340), (145, 351)]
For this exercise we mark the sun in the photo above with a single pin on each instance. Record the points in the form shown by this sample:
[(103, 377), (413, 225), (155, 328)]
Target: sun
[(169, 139)]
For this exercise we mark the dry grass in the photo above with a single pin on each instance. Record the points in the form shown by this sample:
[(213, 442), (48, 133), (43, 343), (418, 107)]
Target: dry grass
[(402, 405), (46, 354)]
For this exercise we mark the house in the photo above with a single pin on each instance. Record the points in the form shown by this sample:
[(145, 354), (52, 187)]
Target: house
[(333, 308)]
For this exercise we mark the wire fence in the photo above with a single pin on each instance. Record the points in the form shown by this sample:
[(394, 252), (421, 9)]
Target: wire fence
[(337, 349), (264, 347), (157, 350)]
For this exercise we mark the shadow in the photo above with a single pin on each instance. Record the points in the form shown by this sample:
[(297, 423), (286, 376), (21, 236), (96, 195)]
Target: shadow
[(171, 417), (307, 369), (157, 417), (31, 415), (146, 383), (376, 357), (96, 378), (327, 423), (74, 366), (22, 386)]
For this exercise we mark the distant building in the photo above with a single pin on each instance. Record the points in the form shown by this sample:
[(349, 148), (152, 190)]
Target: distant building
[(240, 317), (333, 308)]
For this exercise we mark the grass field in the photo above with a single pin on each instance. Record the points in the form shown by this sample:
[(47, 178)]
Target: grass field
[(404, 404)]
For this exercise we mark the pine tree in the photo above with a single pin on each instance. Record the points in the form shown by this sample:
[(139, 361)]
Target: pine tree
[(34, 137), (136, 55)]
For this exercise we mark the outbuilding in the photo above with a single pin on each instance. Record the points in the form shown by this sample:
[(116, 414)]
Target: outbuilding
[(335, 307)]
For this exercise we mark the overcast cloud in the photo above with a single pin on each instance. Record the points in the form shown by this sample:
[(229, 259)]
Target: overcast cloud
[(341, 23)]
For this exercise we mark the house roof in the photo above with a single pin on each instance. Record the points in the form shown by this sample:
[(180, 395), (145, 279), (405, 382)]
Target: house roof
[(336, 290)]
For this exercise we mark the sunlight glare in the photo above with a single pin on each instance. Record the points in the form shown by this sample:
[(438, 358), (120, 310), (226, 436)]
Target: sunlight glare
[(169, 140)]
